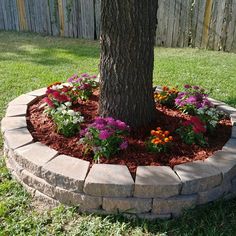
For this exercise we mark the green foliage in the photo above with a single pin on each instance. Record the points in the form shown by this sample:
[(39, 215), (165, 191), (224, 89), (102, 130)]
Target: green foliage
[(66, 120)]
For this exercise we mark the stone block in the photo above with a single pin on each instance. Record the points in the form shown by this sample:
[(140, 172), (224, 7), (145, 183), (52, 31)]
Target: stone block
[(227, 109), (109, 180), (156, 181), (128, 205), (11, 123), (33, 156), (37, 183), (16, 110), (12, 165), (225, 162), (233, 134), (66, 172), (38, 93), (174, 205), (198, 176), (230, 146), (84, 201), (233, 118), (216, 102), (48, 201), (213, 194), (17, 138), (23, 99)]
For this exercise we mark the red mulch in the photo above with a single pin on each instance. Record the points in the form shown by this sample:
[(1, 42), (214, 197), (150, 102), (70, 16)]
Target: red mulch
[(43, 130)]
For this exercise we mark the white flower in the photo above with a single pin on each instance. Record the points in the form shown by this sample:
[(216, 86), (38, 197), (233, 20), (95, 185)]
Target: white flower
[(65, 122), (63, 112), (71, 112), (68, 104)]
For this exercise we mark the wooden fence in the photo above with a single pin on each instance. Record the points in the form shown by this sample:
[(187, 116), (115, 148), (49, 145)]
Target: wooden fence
[(181, 23)]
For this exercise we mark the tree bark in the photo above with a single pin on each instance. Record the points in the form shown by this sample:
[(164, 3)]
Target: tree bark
[(128, 29)]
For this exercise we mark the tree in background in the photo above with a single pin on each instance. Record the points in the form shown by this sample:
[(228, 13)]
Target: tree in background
[(128, 31)]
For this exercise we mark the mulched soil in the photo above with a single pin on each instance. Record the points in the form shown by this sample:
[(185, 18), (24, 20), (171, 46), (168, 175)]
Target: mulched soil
[(43, 130)]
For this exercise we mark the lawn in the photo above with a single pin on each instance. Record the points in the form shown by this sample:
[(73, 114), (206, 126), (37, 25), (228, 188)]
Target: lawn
[(29, 61)]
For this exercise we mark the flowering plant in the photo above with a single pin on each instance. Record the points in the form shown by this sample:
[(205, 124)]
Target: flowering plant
[(104, 137), (210, 116), (167, 96), (159, 140), (192, 99), (84, 85), (60, 93), (192, 131), (66, 120)]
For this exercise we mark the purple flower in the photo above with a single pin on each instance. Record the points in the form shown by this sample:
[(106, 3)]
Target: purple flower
[(93, 77), (110, 121), (187, 86), (85, 75), (99, 120), (104, 134), (195, 87), (123, 145), (83, 132), (121, 125), (191, 100), (99, 126)]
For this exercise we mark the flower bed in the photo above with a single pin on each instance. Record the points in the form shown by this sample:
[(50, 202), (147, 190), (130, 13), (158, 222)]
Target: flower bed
[(156, 191), (138, 150)]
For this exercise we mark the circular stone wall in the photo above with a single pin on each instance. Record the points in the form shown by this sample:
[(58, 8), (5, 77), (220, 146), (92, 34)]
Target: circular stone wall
[(156, 192)]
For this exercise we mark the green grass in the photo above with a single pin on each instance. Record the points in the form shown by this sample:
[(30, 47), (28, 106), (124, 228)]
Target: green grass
[(29, 61)]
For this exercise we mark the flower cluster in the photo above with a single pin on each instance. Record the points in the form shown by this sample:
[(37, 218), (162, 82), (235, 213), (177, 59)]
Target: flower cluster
[(60, 93), (210, 116), (192, 131), (159, 140), (191, 99), (84, 85), (67, 121), (167, 96), (104, 137)]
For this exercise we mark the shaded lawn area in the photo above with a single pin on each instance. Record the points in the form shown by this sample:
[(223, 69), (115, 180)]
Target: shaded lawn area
[(29, 61)]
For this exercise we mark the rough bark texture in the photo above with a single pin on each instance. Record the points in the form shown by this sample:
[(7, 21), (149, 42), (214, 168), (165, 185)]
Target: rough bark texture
[(127, 54)]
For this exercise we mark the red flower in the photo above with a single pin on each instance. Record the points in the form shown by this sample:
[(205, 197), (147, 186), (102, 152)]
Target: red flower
[(49, 102), (198, 125)]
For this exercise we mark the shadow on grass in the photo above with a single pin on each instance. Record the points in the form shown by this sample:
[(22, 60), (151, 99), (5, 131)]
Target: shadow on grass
[(45, 50), (217, 218)]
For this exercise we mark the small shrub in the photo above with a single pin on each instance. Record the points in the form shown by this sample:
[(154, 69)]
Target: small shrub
[(167, 96), (105, 137), (60, 93), (191, 99), (192, 131), (84, 85), (66, 120), (210, 116), (159, 140)]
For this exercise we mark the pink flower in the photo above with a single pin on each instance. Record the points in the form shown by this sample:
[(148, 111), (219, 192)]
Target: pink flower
[(124, 145), (49, 102), (104, 134)]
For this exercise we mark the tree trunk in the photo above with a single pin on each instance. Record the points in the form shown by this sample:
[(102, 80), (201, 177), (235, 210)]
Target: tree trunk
[(128, 31)]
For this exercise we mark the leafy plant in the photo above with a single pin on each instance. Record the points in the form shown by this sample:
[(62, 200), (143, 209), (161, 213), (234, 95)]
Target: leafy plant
[(167, 96), (66, 120), (192, 131), (191, 99), (210, 116), (105, 137), (84, 85), (60, 93), (159, 140)]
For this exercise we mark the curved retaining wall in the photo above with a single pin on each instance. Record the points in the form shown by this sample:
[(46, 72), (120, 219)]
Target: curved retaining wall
[(157, 192)]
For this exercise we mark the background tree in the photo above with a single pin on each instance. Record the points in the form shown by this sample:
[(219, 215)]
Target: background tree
[(128, 29)]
